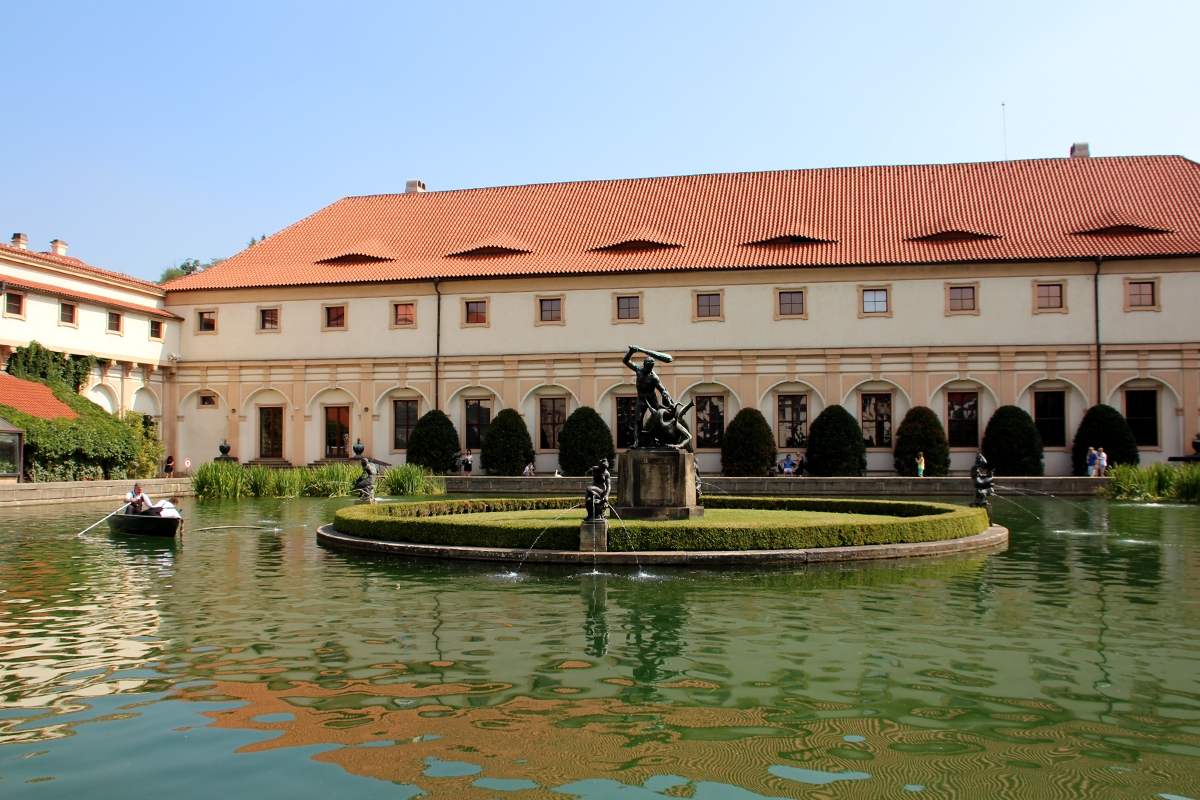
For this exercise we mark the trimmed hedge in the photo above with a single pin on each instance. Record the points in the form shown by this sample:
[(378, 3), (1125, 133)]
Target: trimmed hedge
[(1104, 426), (433, 443), (835, 445), (506, 447), (584, 440), (921, 432), (748, 448), (441, 523), (1012, 444)]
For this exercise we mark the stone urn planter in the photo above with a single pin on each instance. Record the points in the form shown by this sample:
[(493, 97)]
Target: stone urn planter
[(358, 449)]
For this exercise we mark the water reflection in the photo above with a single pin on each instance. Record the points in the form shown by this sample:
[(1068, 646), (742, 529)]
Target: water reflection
[(1061, 667)]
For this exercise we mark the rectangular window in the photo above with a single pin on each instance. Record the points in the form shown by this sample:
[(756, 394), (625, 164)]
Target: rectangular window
[(270, 432), (404, 417), (553, 415), (550, 309), (791, 304), (962, 411), (1141, 294), (476, 312), (1141, 411), (708, 305), (156, 329), (1050, 416), (66, 313), (14, 304), (626, 408), (337, 431), (877, 420), (114, 322), (793, 420), (629, 307), (1049, 295), (335, 317), (874, 301), (710, 420), (268, 319), (206, 321), (404, 315), (962, 298), (478, 415), (208, 400)]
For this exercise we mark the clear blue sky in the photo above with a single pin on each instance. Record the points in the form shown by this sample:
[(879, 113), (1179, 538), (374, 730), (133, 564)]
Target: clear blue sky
[(147, 133)]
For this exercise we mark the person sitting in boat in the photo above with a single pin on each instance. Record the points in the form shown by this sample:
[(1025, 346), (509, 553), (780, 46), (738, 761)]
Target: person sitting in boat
[(137, 500)]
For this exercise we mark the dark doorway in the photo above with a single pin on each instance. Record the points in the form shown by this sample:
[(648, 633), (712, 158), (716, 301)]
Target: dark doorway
[(270, 432), (337, 431)]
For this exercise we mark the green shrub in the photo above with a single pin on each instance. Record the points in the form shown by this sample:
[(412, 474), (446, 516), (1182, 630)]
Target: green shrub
[(506, 447), (220, 479), (921, 432), (748, 448), (584, 440), (433, 442), (335, 479), (442, 523), (37, 363), (1104, 426), (835, 445), (409, 479), (1012, 444)]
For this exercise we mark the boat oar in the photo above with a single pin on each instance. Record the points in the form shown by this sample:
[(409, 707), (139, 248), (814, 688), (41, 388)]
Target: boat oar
[(106, 516)]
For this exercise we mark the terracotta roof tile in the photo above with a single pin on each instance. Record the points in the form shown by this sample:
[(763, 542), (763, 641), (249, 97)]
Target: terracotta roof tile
[(870, 215), (33, 398), (79, 266), (100, 300)]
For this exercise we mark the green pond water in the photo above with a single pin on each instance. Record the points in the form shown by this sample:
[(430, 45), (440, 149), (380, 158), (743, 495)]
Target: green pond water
[(254, 663)]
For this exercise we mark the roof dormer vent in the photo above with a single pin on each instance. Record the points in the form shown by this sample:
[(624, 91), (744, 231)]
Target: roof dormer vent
[(1080, 150), (788, 241), (414, 186), (955, 235)]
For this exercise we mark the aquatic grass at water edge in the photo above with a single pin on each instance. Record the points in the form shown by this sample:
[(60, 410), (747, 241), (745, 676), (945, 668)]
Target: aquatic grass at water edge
[(1153, 482), (230, 480)]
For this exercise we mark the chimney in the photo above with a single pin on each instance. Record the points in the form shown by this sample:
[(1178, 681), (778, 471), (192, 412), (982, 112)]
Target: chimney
[(414, 186), (21, 241), (1080, 150), (58, 247)]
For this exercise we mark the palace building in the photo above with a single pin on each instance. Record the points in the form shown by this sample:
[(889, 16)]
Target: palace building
[(1050, 284)]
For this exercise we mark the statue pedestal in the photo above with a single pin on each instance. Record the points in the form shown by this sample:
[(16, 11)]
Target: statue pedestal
[(657, 483), (593, 536)]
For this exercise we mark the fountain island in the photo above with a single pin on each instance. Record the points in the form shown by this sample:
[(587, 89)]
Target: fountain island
[(659, 517)]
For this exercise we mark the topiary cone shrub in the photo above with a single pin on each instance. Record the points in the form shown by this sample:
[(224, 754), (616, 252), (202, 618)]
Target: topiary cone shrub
[(1012, 444), (584, 440), (1104, 426), (921, 432), (433, 443), (835, 445), (506, 447), (748, 449)]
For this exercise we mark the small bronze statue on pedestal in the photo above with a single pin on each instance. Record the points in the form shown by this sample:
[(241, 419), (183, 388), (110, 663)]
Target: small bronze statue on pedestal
[(982, 479), (595, 496), (365, 485)]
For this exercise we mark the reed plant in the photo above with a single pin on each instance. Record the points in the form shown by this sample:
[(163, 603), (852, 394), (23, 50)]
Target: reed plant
[(410, 479), (220, 479), (1153, 482), (330, 480), (230, 480)]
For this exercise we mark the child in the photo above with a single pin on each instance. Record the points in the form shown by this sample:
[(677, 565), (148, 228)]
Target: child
[(920, 464), (528, 473)]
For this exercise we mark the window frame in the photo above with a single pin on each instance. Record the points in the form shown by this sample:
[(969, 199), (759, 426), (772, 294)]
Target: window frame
[(120, 330), (324, 428), (1050, 282), (196, 328), (537, 309), (558, 434), (402, 301), (325, 317), (200, 404), (641, 317), (1155, 282), (74, 323), (974, 285), (696, 294), (258, 320), (891, 421), (696, 421), (1066, 395), (282, 429), (863, 288), (978, 418), (779, 422), (487, 312), (24, 299), (162, 330), (417, 400), (617, 426), (467, 425), (785, 289), (1158, 416)]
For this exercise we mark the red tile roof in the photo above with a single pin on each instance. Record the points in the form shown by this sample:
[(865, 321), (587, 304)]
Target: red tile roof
[(78, 266), (869, 215), (33, 398), (83, 297)]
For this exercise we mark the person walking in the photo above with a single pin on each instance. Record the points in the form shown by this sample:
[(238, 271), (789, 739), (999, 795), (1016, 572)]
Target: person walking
[(1101, 462), (468, 463), (1091, 462), (921, 464)]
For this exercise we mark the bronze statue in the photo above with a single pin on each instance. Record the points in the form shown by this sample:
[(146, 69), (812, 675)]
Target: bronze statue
[(648, 384), (667, 427), (365, 485), (982, 479), (596, 495)]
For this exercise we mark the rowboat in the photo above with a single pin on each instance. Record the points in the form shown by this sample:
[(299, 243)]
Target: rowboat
[(145, 525)]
